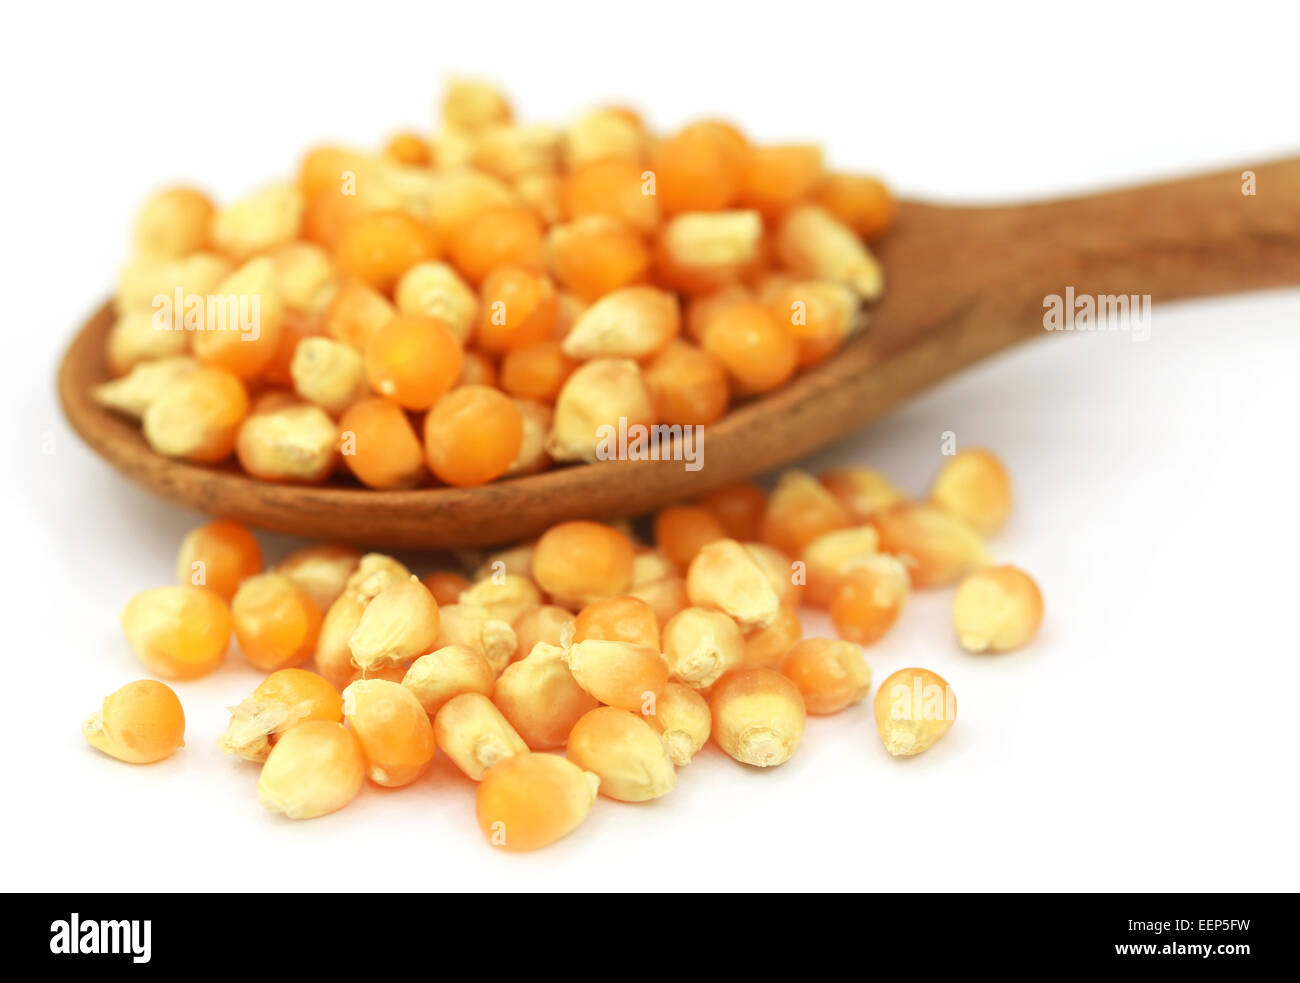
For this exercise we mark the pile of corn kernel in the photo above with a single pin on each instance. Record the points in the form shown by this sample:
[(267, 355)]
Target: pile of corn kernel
[(626, 658), (478, 305)]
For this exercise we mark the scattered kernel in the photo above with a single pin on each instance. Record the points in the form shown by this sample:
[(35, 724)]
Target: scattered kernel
[(914, 708), (758, 716), (624, 752), (997, 609), (140, 723)]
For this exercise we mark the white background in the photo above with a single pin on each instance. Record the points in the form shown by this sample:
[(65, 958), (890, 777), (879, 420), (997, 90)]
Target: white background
[(1145, 741)]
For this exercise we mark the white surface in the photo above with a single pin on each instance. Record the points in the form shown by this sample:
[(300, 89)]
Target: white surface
[(1142, 742)]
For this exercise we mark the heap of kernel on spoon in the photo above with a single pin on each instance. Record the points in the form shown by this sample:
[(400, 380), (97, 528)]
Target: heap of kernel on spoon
[(479, 305), (620, 658)]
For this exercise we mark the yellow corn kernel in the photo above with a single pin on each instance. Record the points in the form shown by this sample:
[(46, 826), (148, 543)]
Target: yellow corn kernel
[(296, 443), (504, 596), (146, 277), (831, 555), (914, 708), (460, 194), (448, 672), (830, 674), (537, 420), (173, 223), (862, 491), (437, 290), (624, 752), (758, 716), (140, 723), (616, 673), (178, 632), (259, 222), (333, 654), (276, 621), (473, 733), (282, 700), (598, 396), (472, 626), (197, 416), (997, 609), (713, 241), (655, 580), (973, 485), (515, 559), (540, 697), (765, 648), (135, 339), (304, 277), (547, 623), (510, 151), (392, 728), (531, 800), (634, 322), (580, 562), (869, 598), (218, 555), (798, 511), (314, 769), (600, 134), (374, 574), (936, 547), (471, 105), (701, 646), (132, 394), (780, 572), (724, 575), (328, 373), (322, 571), (400, 623), (812, 242), (681, 715)]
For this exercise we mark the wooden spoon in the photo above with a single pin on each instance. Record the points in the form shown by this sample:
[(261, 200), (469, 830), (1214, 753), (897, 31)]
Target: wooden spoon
[(961, 284)]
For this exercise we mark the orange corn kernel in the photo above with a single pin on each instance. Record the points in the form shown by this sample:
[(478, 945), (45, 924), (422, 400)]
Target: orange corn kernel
[(409, 148), (739, 508), (687, 385), (536, 371), (868, 600), (596, 255), (864, 204), (625, 752), (618, 619), (508, 234), (615, 187), (518, 307), (831, 556), (476, 369), (973, 485), (379, 247), (830, 674), (765, 648), (758, 351), (445, 586), (281, 701), (540, 697), (776, 178), (547, 623), (862, 491), (798, 511), (580, 562), (275, 621), (178, 632), (616, 673), (472, 435), (379, 445), (682, 530), (821, 316), (936, 547), (413, 360), (140, 723), (356, 313), (218, 555), (394, 731), (914, 708), (531, 800), (699, 170), (997, 609), (758, 716), (324, 168)]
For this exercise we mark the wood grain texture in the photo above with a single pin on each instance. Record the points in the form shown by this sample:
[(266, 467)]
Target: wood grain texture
[(961, 284)]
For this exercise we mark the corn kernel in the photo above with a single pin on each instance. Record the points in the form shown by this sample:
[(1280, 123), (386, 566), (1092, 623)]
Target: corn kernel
[(634, 322), (275, 621), (356, 313), (304, 277), (445, 586), (472, 435), (681, 531), (282, 700), (618, 619), (765, 648), (532, 457), (776, 178), (862, 491), (616, 673), (173, 223), (699, 170), (448, 672), (375, 573), (997, 609), (145, 277), (580, 562), (914, 708), (780, 572), (474, 627), (510, 151), (821, 316), (830, 556), (392, 728), (614, 187), (409, 148), (378, 247), (537, 370), (322, 571), (473, 733), (136, 339), (869, 598), (505, 597), (974, 486), (681, 715), (379, 445), (197, 416), (758, 351), (498, 236), (739, 508), (314, 769), (725, 575), (297, 444), (218, 555), (471, 105), (713, 243), (701, 646), (813, 243), (436, 290), (476, 369), (603, 133), (542, 191), (758, 716), (413, 360), (687, 385), (531, 800), (596, 255), (259, 222), (547, 623), (460, 194), (140, 723), (178, 632), (133, 393), (328, 373), (625, 752), (333, 655), (936, 547), (799, 510), (400, 623), (519, 307), (540, 697), (595, 400), (830, 674), (864, 204)]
